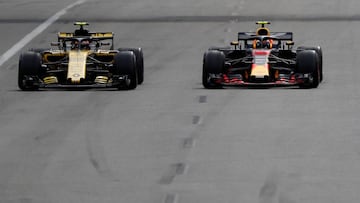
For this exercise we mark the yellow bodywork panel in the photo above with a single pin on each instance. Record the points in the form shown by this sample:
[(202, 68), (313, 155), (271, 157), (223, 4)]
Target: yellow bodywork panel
[(102, 35), (77, 65), (259, 71), (65, 34)]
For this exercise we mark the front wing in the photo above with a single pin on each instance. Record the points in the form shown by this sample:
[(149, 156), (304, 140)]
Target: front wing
[(236, 80), (116, 81)]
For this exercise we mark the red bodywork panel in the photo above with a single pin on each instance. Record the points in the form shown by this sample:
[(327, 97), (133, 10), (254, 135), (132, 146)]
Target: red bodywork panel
[(260, 74)]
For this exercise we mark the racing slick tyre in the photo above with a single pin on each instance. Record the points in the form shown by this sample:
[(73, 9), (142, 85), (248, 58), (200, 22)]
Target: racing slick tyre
[(320, 55), (29, 66), (125, 64), (139, 62), (307, 61), (213, 63)]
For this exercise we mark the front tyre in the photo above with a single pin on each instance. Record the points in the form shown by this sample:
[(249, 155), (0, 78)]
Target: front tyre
[(29, 70), (139, 62), (213, 64), (320, 57), (125, 64), (307, 62)]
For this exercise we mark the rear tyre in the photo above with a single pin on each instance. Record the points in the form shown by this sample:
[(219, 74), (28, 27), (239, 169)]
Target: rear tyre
[(213, 63), (139, 62), (29, 66), (307, 61), (125, 64)]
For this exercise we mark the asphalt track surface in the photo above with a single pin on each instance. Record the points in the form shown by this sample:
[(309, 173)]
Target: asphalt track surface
[(170, 140)]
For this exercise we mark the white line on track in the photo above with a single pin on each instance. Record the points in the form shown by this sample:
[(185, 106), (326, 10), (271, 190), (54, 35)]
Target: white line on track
[(18, 46)]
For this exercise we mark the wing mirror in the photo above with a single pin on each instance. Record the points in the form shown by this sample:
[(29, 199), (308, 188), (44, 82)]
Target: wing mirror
[(234, 43), (290, 44)]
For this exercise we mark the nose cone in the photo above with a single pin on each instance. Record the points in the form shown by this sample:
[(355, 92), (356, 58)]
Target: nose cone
[(77, 66)]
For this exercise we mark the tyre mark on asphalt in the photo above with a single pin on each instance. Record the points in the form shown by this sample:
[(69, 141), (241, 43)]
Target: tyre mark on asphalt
[(98, 160), (202, 99), (174, 170), (270, 190), (25, 200), (196, 120), (188, 143), (43, 135), (171, 198), (180, 167), (38, 144), (97, 157), (94, 142)]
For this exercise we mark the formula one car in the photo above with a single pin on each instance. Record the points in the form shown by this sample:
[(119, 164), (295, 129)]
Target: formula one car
[(81, 59), (263, 58)]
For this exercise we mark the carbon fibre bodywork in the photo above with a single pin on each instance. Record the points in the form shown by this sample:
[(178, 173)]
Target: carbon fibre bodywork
[(80, 59), (262, 58)]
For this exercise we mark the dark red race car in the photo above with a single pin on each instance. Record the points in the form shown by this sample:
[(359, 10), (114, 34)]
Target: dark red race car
[(263, 58)]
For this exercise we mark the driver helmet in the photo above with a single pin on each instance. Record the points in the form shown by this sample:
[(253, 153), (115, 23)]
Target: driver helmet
[(85, 44), (74, 44), (267, 44)]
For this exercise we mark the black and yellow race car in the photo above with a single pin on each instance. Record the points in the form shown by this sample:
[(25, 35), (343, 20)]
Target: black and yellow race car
[(81, 59), (263, 58)]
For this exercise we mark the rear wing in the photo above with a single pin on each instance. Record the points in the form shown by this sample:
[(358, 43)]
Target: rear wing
[(93, 35), (274, 35)]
